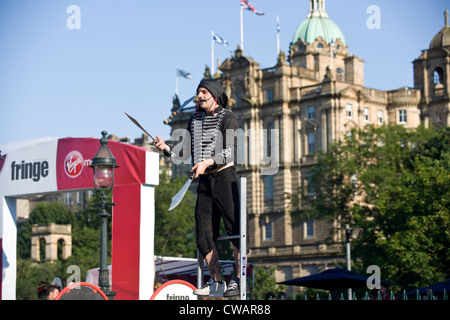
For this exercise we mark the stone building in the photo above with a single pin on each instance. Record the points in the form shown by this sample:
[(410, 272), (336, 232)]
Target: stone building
[(310, 98), (52, 242)]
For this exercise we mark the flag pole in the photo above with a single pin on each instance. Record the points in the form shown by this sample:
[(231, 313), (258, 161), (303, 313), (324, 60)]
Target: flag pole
[(242, 29), (176, 81), (278, 34), (331, 54), (212, 54)]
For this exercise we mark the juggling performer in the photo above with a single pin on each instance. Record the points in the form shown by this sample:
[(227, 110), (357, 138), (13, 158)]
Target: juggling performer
[(213, 150)]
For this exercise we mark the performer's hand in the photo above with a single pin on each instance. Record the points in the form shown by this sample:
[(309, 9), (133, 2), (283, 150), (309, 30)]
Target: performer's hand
[(160, 144), (200, 167)]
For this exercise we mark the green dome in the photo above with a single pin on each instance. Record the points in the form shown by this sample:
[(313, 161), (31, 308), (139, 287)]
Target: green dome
[(314, 27)]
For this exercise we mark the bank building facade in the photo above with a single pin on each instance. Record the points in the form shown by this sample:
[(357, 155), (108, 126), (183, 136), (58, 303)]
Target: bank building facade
[(314, 95)]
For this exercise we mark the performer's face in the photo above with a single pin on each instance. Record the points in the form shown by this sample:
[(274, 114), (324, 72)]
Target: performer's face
[(205, 99)]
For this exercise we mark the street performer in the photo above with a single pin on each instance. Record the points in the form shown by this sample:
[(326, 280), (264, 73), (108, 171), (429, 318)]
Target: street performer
[(213, 152)]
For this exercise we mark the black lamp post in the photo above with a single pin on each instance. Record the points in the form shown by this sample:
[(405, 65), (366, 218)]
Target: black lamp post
[(103, 164)]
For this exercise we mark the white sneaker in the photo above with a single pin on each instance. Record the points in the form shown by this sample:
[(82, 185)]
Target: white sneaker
[(233, 288), (212, 288)]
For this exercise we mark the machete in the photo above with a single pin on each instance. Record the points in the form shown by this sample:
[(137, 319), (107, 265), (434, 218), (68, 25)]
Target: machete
[(167, 153), (180, 194)]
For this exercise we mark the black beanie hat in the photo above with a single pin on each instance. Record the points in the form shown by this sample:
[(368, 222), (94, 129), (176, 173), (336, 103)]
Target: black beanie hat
[(216, 90)]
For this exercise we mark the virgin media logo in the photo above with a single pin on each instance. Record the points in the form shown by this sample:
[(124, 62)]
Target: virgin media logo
[(74, 164)]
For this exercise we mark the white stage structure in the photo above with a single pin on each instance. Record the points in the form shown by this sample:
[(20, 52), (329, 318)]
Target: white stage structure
[(59, 165)]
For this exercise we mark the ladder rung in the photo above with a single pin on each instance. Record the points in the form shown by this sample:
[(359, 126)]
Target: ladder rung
[(228, 237), (242, 245)]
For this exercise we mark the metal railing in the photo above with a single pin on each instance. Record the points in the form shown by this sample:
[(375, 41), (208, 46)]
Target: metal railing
[(402, 296)]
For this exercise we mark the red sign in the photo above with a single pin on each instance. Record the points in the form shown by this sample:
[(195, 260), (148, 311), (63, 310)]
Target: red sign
[(74, 157), (73, 164)]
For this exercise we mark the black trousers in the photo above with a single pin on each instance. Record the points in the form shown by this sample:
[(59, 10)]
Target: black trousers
[(217, 197)]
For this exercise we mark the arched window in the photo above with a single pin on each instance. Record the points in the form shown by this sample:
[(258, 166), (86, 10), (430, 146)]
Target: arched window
[(319, 46), (438, 81), (61, 244), (438, 76), (42, 247)]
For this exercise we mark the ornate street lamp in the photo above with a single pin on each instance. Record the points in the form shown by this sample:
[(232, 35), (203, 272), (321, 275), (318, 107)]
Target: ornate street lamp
[(103, 164)]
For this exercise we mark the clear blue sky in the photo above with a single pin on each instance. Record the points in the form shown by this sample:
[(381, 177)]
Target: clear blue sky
[(57, 82)]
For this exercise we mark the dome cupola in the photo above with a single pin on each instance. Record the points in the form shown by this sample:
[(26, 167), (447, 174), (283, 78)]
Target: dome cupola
[(442, 38), (318, 25)]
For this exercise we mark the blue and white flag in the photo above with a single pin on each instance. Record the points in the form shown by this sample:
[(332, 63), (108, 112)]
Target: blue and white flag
[(219, 39), (332, 48), (183, 74)]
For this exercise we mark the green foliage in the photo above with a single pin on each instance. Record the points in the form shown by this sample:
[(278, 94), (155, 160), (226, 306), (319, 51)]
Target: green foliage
[(85, 246), (265, 282), (43, 214), (174, 236), (393, 183), (174, 230)]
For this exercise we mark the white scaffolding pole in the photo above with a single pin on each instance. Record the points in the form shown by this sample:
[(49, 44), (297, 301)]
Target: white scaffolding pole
[(243, 240)]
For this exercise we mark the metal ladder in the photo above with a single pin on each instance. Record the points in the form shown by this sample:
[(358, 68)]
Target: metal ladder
[(242, 245)]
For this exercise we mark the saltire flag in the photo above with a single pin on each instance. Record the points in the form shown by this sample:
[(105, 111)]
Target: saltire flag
[(184, 74), (219, 39), (332, 48), (247, 6)]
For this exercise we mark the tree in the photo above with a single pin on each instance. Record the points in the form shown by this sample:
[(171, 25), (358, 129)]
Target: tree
[(85, 246), (265, 283), (43, 214), (393, 183), (174, 230)]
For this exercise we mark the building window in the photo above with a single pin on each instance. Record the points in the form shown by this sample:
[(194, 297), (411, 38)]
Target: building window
[(310, 188), (380, 117), (437, 76), (402, 116), (270, 138), (268, 230), (349, 111), (269, 95), (308, 228), (311, 113), (79, 197), (438, 80), (319, 46), (340, 74), (366, 114), (268, 187), (67, 198), (437, 117), (311, 143)]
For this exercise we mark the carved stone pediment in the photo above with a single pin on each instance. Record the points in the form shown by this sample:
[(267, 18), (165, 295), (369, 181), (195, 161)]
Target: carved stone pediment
[(350, 93), (350, 124), (308, 126)]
